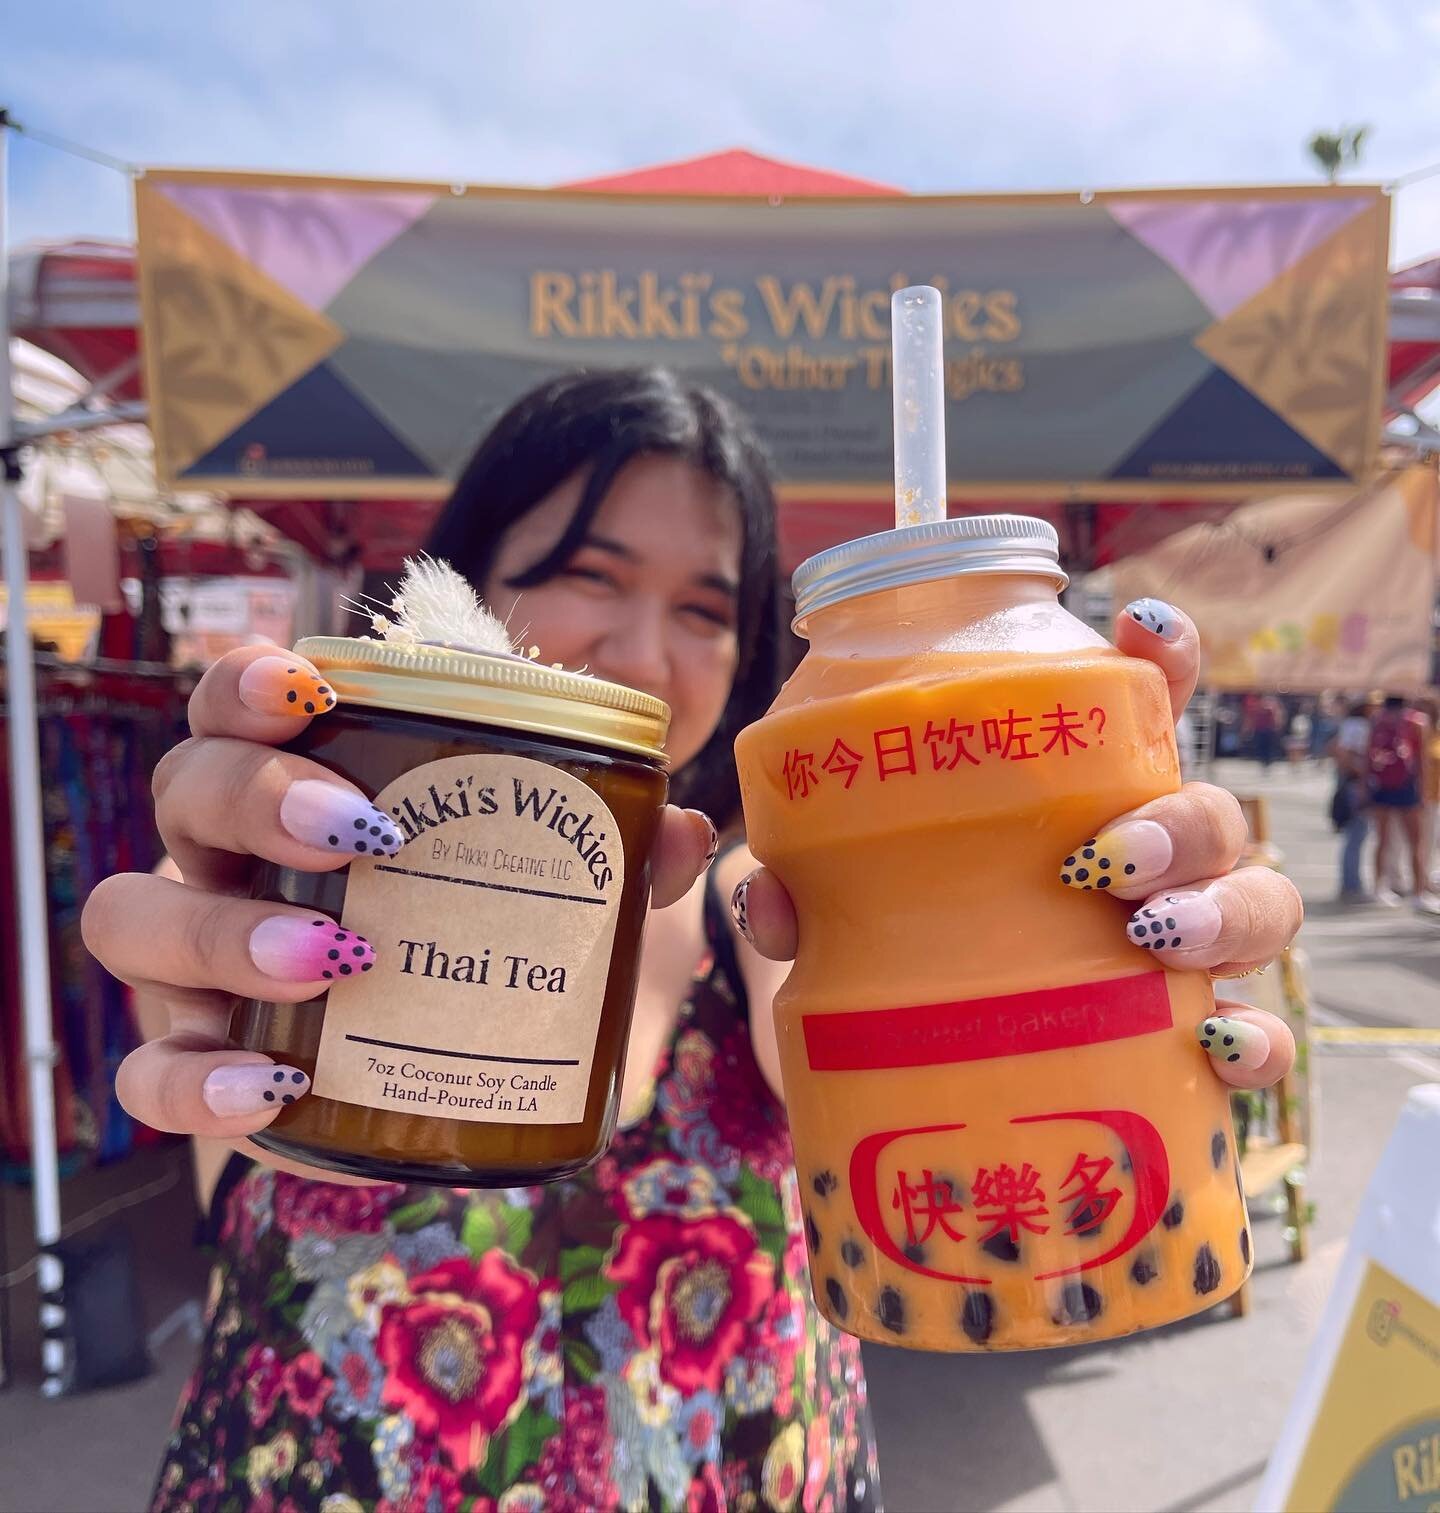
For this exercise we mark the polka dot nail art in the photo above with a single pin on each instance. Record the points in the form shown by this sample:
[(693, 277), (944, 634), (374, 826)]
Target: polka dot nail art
[(285, 686), (296, 949), (336, 819), (740, 907), (1176, 923), (235, 1092), (1236, 1042), (1129, 855), (1156, 616)]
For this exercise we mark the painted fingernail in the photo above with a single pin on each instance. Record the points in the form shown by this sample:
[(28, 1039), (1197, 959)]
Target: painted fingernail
[(1234, 1040), (740, 907), (709, 824), (1179, 923), (232, 1091), (1125, 856), (279, 685), (334, 819), (307, 950), (1156, 616)]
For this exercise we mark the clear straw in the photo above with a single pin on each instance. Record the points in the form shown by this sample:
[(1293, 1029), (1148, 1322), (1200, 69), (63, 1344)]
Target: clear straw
[(917, 346)]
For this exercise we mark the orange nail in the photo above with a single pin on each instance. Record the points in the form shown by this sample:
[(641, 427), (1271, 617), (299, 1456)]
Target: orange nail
[(285, 686)]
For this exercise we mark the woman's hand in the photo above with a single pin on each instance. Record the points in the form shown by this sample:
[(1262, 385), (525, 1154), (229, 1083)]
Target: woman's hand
[(225, 799), (1173, 859)]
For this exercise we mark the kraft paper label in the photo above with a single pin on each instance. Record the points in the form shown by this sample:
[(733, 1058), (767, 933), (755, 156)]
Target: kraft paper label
[(493, 928)]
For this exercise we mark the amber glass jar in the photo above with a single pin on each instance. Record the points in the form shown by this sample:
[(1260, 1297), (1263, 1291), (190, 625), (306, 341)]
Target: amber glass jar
[(486, 1046)]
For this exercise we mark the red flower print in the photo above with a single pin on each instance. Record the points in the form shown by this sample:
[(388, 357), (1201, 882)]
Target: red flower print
[(307, 1384), (574, 1468), (435, 1488), (453, 1353), (744, 1111), (263, 1377), (707, 1492), (691, 1287), (306, 1207)]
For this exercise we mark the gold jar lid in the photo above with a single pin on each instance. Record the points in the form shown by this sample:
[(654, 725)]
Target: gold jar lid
[(491, 690)]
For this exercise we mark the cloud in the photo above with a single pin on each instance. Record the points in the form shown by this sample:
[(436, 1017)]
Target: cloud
[(930, 96)]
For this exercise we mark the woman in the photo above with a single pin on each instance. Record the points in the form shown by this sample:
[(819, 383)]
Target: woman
[(1350, 807), (660, 1349)]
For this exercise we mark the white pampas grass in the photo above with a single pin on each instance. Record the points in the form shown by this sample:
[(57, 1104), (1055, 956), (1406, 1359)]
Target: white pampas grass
[(435, 606)]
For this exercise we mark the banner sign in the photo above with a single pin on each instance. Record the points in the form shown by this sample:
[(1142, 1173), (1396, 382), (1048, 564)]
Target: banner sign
[(344, 338), (1306, 594)]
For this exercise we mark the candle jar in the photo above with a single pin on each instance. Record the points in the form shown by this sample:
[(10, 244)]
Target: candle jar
[(485, 1046)]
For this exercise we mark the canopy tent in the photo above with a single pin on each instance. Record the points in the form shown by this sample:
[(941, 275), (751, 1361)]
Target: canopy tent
[(79, 300)]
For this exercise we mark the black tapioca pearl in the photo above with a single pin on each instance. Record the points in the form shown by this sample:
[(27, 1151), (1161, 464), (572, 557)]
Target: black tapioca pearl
[(278, 1077), (341, 935), (309, 707), (1157, 928), (1129, 869), (366, 965), (1079, 1304), (1138, 931), (1171, 925), (330, 703), (1175, 942), (1091, 841), (321, 688), (333, 954), (1069, 861), (812, 1235), (374, 830), (836, 1294), (851, 1253), (977, 1316), (1207, 1270), (288, 1098), (292, 670), (297, 1076), (346, 969), (1103, 883), (1174, 1216), (1088, 853), (319, 924), (1218, 1147), (1228, 1040), (329, 976), (914, 1253), (890, 1310), (1081, 873), (269, 1096), (1002, 1246), (357, 950), (360, 846), (334, 840), (1144, 1270), (824, 1183), (291, 697), (1105, 861), (360, 824), (1064, 877), (1209, 1027)]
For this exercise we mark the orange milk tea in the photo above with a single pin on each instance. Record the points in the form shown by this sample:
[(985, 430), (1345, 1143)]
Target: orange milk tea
[(1006, 1133)]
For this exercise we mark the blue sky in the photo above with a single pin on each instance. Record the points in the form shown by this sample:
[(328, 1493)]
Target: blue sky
[(943, 95)]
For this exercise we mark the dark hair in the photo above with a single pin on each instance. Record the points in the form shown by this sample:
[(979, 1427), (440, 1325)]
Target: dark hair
[(602, 421)]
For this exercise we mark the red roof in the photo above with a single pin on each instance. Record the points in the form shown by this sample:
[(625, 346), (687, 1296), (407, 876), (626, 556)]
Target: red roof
[(733, 172)]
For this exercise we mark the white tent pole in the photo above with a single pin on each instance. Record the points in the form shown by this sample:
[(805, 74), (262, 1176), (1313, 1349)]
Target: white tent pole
[(25, 798)]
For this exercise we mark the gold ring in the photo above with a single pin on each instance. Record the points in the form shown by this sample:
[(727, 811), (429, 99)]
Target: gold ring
[(1236, 976)]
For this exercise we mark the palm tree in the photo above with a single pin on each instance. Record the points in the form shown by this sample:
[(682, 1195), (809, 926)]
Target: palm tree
[(1339, 149)]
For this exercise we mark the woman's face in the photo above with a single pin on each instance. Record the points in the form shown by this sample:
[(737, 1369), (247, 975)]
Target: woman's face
[(650, 597)]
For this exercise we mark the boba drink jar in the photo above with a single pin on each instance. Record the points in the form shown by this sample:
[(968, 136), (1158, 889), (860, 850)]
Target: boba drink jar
[(1006, 1132)]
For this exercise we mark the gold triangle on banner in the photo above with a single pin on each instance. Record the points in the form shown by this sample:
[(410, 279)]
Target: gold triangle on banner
[(1305, 343), (222, 338)]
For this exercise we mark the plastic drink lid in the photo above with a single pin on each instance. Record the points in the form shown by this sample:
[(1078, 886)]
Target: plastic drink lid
[(922, 553)]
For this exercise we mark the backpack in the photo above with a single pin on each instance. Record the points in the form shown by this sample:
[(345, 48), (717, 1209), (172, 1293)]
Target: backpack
[(1394, 756)]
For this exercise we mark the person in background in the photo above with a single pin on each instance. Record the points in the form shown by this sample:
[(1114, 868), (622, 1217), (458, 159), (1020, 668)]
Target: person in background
[(1350, 808), (1430, 791), (1267, 723), (1324, 726), (1396, 760)]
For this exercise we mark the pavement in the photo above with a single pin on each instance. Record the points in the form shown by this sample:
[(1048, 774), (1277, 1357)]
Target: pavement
[(1174, 1420)]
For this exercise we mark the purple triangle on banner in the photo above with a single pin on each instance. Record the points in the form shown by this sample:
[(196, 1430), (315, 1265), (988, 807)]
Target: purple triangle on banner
[(310, 241), (1228, 250)]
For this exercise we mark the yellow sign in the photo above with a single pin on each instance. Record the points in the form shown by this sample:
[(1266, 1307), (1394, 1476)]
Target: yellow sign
[(1375, 1444)]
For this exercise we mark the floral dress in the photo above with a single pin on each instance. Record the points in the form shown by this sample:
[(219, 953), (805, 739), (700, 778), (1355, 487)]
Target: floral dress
[(638, 1337)]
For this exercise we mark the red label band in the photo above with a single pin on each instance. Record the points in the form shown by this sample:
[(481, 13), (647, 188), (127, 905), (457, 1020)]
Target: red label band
[(979, 1029)]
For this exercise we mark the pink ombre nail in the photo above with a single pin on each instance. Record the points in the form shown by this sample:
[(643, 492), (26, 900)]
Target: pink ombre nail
[(308, 950), (335, 819), (233, 1092)]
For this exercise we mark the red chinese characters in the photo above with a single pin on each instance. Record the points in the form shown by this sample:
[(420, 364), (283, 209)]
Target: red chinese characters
[(952, 745), (1015, 1200), (931, 1201)]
